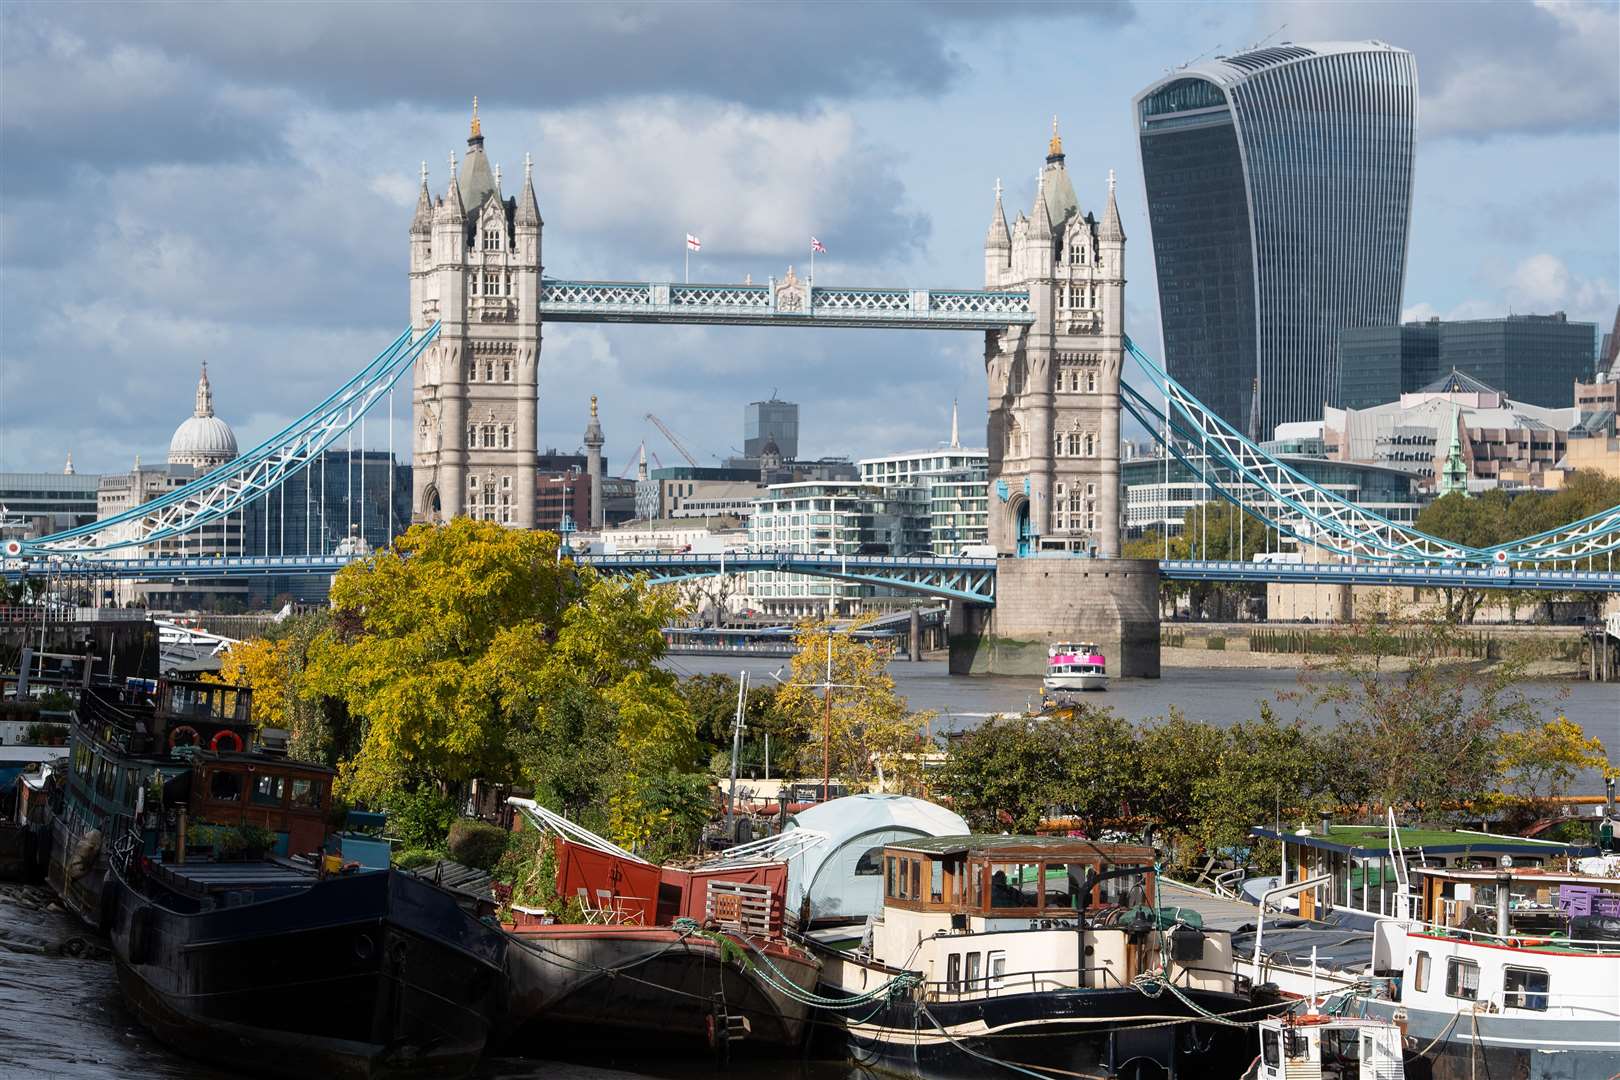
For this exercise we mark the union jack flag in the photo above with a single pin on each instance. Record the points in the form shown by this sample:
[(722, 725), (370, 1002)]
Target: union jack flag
[(817, 246)]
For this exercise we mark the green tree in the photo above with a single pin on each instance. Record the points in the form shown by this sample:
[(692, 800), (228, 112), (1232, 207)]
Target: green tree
[(1538, 764), (999, 775), (1424, 737), (869, 733)]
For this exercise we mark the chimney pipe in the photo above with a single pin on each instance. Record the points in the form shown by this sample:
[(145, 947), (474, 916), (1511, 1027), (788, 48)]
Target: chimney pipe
[(1504, 891), (1325, 823)]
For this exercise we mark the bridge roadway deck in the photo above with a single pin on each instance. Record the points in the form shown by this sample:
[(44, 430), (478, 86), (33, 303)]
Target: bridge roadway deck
[(968, 579)]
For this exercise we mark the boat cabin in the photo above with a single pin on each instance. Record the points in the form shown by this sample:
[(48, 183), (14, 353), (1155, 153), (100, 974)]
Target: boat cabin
[(1329, 1048), (1362, 860), (992, 915), (290, 799), (1527, 942)]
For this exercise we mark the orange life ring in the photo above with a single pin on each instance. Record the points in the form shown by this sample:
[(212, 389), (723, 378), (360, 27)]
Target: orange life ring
[(174, 735), (213, 744)]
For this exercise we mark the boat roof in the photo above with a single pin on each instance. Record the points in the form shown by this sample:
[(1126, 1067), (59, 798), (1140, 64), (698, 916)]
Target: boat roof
[(202, 878), (28, 755), (1530, 874), (1373, 840), (1034, 846)]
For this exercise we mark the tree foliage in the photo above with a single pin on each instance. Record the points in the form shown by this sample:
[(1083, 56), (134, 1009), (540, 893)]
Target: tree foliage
[(470, 650), (869, 733)]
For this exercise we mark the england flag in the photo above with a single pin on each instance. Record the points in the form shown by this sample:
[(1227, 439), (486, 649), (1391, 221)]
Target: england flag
[(693, 243)]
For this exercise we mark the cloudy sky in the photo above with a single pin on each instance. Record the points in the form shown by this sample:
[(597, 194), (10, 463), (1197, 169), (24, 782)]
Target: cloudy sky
[(233, 183)]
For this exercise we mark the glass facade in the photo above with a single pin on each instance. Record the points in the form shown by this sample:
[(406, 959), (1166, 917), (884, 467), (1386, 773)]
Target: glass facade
[(764, 421), (1534, 359), (1279, 199), (1378, 364), (341, 494)]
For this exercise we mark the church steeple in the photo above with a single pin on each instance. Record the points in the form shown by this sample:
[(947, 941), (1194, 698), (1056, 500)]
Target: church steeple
[(205, 395)]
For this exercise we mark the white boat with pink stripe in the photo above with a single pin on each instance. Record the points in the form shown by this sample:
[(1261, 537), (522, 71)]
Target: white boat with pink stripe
[(1075, 665)]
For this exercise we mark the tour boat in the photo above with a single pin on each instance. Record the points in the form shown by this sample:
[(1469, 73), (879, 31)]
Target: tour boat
[(682, 959), (1075, 666), (1044, 953)]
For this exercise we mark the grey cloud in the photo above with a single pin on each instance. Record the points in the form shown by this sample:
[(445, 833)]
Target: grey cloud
[(1485, 68)]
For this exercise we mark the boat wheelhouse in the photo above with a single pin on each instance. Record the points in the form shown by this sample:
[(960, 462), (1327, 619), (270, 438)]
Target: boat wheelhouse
[(1056, 940), (1367, 864), (1325, 1047)]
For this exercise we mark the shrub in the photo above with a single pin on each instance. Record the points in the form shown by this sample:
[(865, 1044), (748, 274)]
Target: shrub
[(477, 844), (420, 819)]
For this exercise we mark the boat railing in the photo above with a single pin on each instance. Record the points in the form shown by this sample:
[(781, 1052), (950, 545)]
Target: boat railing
[(1546, 1002), (1527, 940), (1023, 982)]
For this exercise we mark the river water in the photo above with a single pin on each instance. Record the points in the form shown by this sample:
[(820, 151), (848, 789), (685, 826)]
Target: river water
[(1214, 695)]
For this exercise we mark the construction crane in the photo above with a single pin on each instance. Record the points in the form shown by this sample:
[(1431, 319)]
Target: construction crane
[(673, 441)]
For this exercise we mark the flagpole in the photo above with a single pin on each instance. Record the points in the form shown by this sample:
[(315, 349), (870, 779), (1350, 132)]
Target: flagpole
[(689, 262), (812, 264)]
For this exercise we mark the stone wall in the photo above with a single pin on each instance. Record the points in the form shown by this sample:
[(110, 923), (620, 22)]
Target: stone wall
[(1113, 602)]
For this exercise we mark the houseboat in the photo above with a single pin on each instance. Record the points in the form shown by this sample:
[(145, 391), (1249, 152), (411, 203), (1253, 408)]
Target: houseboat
[(276, 968), (1504, 971), (682, 959), (1044, 953), (1075, 666)]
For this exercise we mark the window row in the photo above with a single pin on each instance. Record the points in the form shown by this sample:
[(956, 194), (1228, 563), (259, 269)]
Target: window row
[(1074, 381), (489, 436), (1522, 987), (491, 283), (1074, 444), (488, 368)]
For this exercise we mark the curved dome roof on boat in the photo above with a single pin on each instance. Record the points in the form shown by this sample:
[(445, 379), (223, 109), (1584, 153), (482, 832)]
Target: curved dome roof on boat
[(843, 875)]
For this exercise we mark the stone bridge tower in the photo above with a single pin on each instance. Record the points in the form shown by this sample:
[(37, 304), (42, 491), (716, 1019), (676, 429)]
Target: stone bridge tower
[(1054, 446), (475, 268), (1054, 385)]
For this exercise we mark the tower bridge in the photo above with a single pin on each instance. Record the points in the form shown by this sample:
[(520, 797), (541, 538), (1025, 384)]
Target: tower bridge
[(1051, 309)]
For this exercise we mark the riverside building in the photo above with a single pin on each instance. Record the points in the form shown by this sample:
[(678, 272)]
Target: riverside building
[(1279, 190)]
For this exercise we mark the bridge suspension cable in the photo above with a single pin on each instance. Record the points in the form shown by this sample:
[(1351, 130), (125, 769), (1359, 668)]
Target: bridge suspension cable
[(231, 487), (1297, 506)]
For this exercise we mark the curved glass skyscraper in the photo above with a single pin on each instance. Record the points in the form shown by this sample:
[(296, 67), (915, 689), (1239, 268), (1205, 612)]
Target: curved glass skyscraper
[(1279, 189)]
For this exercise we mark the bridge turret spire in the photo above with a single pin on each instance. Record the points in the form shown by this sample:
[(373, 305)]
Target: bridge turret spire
[(1054, 149), (1111, 231), (422, 223), (452, 209), (528, 208)]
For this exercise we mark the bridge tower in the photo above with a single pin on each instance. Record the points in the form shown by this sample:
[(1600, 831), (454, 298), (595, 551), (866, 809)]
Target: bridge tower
[(475, 268), (1054, 385), (1053, 437)]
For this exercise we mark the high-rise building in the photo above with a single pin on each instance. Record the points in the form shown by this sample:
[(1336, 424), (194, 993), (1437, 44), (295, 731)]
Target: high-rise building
[(1380, 363), (767, 421), (1530, 358), (1279, 190)]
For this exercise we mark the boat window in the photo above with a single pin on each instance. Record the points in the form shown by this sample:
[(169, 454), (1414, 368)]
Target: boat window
[(973, 971), (1420, 972), (1341, 1046), (1128, 890), (306, 794), (888, 888), (1014, 885), (976, 871), (1524, 988), (1063, 884), (953, 972), (916, 879), (1462, 979), (936, 880), (995, 966), (225, 786), (870, 864), (1271, 1048), (267, 790)]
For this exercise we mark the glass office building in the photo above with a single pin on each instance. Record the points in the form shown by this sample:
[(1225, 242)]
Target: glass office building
[(771, 421), (1279, 189), (1378, 364)]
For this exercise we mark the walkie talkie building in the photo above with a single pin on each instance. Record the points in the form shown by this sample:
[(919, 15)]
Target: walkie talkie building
[(1279, 190)]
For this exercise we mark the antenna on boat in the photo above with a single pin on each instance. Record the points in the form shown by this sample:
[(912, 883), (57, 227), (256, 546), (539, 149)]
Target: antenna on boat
[(736, 740)]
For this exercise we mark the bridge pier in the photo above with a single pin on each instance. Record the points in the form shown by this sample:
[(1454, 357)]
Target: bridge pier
[(1113, 602)]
